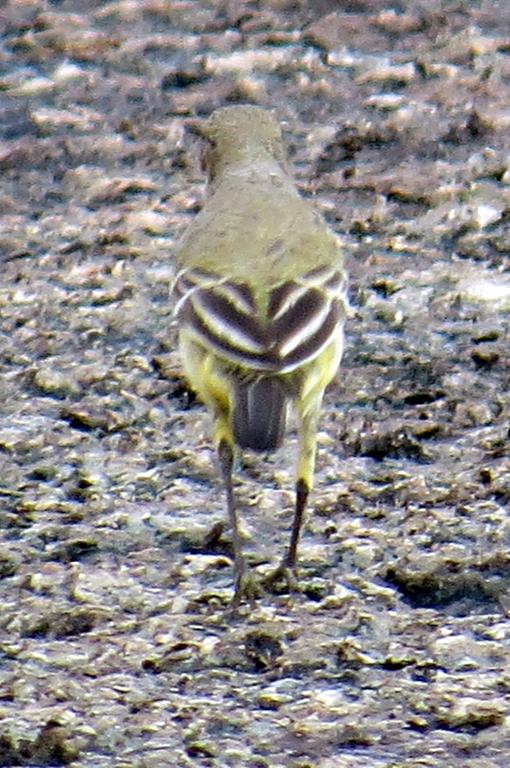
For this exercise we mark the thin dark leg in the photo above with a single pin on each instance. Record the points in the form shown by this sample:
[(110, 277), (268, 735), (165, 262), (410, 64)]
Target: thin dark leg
[(285, 571), (302, 492), (310, 405), (226, 459)]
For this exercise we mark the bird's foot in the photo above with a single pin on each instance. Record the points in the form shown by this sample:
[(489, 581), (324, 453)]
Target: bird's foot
[(248, 587), (283, 578)]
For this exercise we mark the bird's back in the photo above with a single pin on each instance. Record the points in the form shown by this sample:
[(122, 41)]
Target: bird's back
[(255, 224)]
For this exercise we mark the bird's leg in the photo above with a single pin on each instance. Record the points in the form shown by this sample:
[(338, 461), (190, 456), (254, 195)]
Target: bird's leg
[(286, 571), (245, 585), (226, 459), (302, 493)]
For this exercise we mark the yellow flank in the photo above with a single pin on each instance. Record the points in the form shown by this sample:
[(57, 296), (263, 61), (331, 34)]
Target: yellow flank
[(206, 374), (315, 378)]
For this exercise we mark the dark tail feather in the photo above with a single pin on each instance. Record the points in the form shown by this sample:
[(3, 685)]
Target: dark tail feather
[(260, 411)]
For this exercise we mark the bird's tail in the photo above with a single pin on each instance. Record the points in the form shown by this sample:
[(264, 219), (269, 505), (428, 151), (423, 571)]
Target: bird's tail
[(260, 413)]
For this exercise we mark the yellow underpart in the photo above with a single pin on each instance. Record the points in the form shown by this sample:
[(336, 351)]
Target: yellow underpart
[(317, 374), (208, 378), (315, 377), (211, 380)]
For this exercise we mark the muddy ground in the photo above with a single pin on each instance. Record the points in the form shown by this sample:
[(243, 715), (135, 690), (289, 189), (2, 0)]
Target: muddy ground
[(115, 647)]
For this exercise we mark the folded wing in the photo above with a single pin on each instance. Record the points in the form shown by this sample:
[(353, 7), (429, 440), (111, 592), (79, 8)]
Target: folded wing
[(300, 317)]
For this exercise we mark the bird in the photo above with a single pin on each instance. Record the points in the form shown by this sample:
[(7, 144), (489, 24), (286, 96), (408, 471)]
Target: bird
[(260, 297)]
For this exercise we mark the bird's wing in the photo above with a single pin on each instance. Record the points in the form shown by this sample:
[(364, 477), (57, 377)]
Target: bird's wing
[(300, 317)]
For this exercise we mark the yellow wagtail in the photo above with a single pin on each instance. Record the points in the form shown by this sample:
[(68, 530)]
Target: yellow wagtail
[(261, 302)]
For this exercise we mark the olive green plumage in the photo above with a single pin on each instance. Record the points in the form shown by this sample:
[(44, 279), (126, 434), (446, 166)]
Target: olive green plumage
[(260, 293)]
